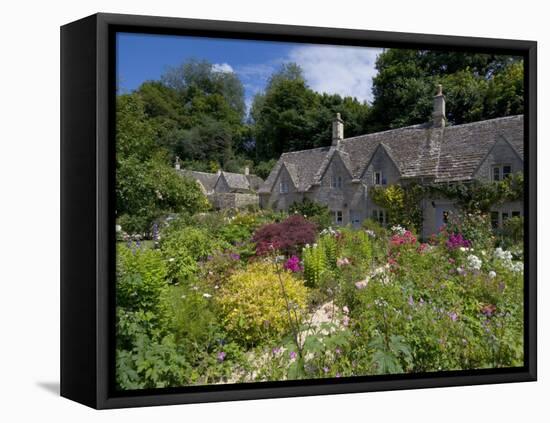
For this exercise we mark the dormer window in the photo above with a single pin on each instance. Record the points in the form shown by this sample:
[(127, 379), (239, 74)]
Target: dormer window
[(336, 182), (379, 179), (283, 187), (500, 172)]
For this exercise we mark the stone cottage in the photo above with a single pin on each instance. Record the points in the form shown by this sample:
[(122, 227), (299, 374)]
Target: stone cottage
[(226, 189), (340, 175)]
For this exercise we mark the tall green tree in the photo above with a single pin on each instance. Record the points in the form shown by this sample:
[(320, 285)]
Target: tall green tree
[(147, 186), (477, 86), (290, 116)]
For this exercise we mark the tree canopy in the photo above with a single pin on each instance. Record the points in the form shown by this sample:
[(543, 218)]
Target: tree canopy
[(476, 86)]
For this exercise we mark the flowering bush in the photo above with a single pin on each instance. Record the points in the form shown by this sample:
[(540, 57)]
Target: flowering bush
[(289, 236), (474, 227), (293, 264), (253, 305), (456, 241)]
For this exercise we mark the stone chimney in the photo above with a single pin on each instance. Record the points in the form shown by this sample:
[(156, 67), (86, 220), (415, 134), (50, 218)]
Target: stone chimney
[(438, 114), (246, 170), (337, 130), (177, 164)]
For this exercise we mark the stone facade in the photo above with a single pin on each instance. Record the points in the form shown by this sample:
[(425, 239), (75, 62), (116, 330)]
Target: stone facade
[(226, 189), (339, 176)]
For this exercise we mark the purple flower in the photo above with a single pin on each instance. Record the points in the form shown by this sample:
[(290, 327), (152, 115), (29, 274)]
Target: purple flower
[(221, 356), (453, 316), (235, 256), (338, 375), (338, 351), (325, 369), (293, 264), (410, 301), (276, 350), (293, 355), (457, 241)]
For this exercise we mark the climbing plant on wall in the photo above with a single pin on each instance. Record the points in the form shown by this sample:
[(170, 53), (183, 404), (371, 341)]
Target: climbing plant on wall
[(403, 203)]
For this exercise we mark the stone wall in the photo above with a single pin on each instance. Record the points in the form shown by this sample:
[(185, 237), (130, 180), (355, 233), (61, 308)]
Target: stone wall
[(230, 200)]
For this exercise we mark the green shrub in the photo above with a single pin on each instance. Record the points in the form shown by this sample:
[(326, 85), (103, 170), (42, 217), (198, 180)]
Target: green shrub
[(253, 305), (315, 264), (141, 280), (315, 212), (512, 232), (184, 248)]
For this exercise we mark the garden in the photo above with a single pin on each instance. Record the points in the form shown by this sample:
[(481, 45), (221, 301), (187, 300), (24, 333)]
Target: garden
[(231, 296)]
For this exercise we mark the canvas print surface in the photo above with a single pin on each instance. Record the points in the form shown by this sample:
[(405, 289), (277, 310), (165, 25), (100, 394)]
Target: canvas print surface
[(291, 211)]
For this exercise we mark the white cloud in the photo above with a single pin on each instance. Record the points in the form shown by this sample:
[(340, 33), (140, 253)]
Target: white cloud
[(222, 67), (347, 71)]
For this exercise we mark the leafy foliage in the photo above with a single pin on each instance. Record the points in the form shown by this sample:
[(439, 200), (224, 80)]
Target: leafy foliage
[(253, 305), (477, 86), (288, 236), (316, 212)]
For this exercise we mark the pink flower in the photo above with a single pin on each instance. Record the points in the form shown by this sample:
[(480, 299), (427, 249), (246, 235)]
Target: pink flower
[(345, 321), (342, 262), (293, 355), (293, 264), (221, 356), (345, 309), (361, 284)]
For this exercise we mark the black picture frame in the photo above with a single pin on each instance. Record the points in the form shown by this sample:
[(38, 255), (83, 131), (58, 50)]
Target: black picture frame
[(87, 209)]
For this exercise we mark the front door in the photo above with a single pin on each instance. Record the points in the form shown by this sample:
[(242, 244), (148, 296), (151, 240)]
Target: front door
[(355, 218)]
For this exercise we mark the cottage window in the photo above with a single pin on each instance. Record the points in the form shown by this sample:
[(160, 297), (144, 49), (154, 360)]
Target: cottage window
[(500, 172), (338, 217), (336, 182), (516, 214), (380, 216), (378, 178), (283, 187), (505, 216)]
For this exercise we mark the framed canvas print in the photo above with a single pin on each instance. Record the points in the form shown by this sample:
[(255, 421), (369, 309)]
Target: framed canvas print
[(256, 211)]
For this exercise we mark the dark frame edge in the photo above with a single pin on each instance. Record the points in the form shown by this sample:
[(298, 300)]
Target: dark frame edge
[(78, 215), (99, 396)]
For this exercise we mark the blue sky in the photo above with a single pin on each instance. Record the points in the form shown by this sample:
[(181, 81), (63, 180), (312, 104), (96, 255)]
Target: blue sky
[(332, 69)]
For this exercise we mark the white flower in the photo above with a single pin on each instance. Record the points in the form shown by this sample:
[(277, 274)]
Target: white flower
[(118, 228), (492, 274), (206, 295), (183, 296), (398, 229), (171, 259), (474, 262)]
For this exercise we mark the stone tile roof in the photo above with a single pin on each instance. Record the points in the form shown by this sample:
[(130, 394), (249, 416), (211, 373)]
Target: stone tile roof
[(301, 165), (236, 181), (452, 153), (207, 180)]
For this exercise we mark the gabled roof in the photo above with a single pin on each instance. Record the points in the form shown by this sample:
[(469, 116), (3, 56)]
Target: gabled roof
[(235, 181), (301, 165), (207, 180), (447, 154)]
